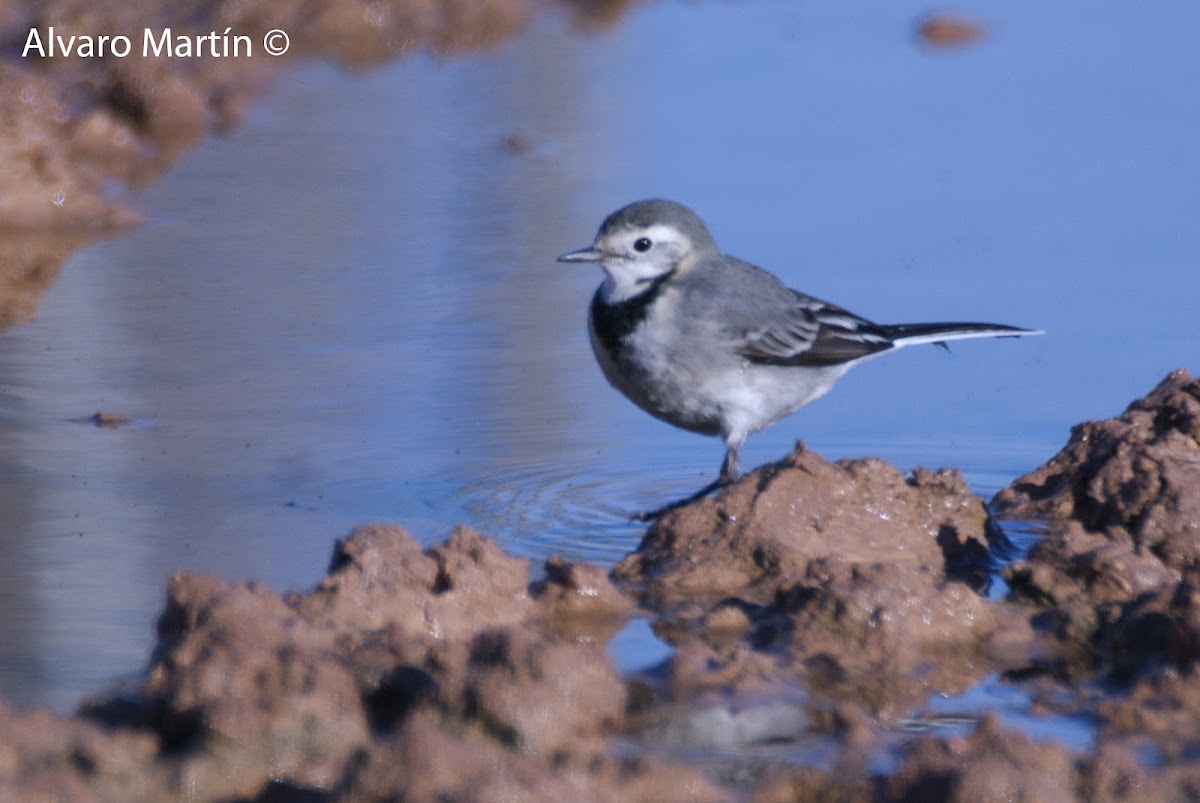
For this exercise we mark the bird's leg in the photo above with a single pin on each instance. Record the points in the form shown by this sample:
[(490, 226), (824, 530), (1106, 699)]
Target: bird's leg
[(731, 467), (730, 471)]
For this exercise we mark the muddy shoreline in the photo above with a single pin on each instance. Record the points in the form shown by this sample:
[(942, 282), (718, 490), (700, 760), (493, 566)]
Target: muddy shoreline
[(814, 605), (813, 610), (72, 128)]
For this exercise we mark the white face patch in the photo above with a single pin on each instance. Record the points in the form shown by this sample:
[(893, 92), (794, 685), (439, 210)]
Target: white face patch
[(634, 258)]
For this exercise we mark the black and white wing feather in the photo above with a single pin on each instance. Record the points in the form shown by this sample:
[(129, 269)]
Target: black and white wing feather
[(814, 333), (768, 323)]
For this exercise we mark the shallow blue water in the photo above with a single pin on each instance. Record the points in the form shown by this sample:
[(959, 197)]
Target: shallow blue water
[(349, 309)]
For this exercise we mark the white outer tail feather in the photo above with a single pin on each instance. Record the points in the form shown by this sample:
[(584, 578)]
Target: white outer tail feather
[(952, 334)]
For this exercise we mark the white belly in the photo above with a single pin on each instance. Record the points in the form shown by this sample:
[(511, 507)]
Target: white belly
[(712, 393)]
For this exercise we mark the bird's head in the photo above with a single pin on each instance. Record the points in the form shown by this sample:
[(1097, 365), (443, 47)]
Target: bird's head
[(644, 244)]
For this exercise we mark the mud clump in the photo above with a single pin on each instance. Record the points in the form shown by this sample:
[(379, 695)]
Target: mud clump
[(445, 659), (104, 420), (1116, 580), (847, 579), (44, 757), (944, 31), (775, 523), (446, 673), (813, 604), (1134, 479), (1118, 571)]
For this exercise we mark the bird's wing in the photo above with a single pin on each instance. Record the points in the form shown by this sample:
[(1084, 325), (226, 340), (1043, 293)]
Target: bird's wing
[(808, 331)]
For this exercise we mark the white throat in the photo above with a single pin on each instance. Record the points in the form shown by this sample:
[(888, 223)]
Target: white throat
[(627, 279)]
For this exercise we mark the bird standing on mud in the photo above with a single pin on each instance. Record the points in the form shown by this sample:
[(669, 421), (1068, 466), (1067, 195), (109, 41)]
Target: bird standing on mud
[(715, 345)]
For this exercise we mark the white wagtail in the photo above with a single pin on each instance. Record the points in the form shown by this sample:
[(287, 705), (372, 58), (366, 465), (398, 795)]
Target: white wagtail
[(718, 346)]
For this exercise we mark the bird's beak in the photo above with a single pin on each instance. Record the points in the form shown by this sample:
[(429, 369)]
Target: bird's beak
[(589, 254)]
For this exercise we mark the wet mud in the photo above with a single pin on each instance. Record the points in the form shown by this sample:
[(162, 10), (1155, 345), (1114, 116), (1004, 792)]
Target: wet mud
[(941, 30), (813, 611)]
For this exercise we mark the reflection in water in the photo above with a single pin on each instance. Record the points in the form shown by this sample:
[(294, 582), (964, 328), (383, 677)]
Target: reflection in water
[(319, 326), (350, 310), (29, 265)]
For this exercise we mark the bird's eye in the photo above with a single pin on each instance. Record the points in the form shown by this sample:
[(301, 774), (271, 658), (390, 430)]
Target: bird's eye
[(642, 245)]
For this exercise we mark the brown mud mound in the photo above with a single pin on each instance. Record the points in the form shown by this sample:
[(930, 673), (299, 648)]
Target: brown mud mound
[(812, 603), (407, 674), (845, 579), (44, 757), (775, 523), (1117, 578), (1135, 479), (944, 31), (1118, 572)]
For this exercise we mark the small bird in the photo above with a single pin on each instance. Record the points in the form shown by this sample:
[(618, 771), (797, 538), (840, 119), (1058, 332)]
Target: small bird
[(715, 345)]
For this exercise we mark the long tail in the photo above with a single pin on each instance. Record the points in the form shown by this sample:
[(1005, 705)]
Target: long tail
[(912, 334)]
